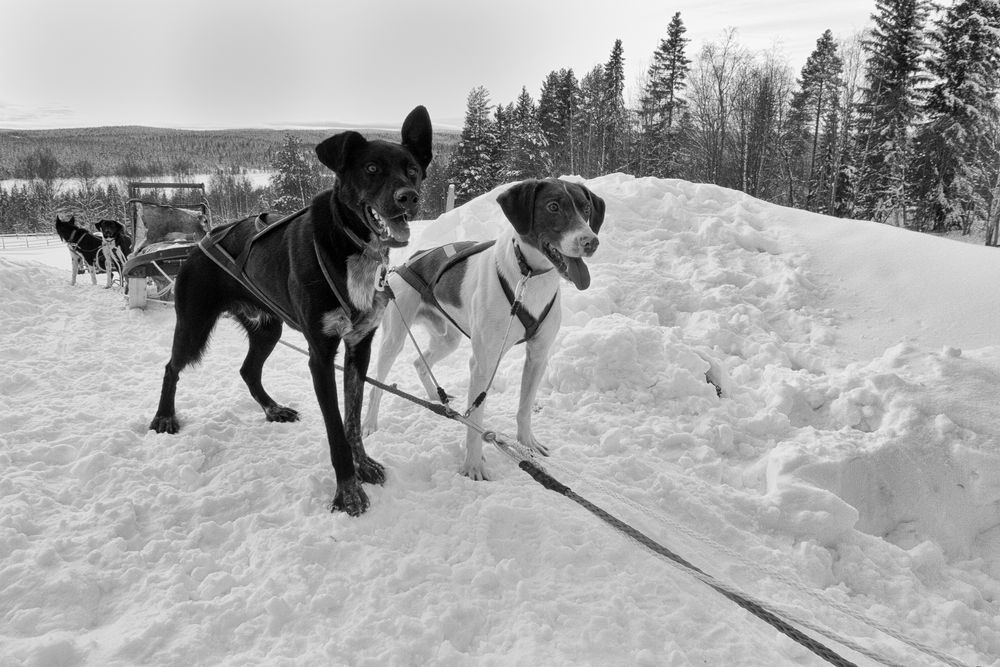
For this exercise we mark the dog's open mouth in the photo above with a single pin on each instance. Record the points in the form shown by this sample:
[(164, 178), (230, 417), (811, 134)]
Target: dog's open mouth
[(572, 269), (394, 231)]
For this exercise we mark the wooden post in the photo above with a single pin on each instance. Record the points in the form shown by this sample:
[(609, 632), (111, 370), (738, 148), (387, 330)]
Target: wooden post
[(450, 201)]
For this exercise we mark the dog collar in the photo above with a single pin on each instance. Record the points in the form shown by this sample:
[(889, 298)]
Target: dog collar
[(354, 238), (522, 263)]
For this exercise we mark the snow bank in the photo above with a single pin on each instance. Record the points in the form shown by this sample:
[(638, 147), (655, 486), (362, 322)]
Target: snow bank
[(853, 454)]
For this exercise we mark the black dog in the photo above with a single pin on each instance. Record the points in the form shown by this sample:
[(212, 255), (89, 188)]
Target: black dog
[(117, 246), (84, 248), (321, 272)]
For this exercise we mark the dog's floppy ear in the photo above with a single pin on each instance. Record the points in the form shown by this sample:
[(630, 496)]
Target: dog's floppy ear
[(335, 151), (518, 204), (417, 136), (596, 211)]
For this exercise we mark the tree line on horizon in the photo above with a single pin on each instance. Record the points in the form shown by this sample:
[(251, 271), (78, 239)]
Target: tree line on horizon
[(899, 125), (55, 183)]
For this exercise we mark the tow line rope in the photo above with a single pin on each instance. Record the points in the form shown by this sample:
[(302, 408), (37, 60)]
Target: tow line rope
[(527, 462), (773, 572), (442, 394)]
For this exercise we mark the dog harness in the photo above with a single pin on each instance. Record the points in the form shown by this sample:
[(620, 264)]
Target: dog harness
[(210, 244), (75, 246), (419, 271)]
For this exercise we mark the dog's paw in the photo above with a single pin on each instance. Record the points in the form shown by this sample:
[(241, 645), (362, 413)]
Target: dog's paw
[(370, 471), (280, 413), (350, 498), (475, 472), (531, 443), (164, 424)]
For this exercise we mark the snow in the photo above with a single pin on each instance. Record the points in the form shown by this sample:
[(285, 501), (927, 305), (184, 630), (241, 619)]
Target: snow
[(851, 464)]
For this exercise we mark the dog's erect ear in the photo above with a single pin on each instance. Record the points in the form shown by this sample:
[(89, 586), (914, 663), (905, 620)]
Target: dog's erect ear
[(596, 211), (417, 136), (518, 204), (336, 151)]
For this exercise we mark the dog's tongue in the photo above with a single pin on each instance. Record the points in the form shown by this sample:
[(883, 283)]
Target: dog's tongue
[(577, 271), (399, 231)]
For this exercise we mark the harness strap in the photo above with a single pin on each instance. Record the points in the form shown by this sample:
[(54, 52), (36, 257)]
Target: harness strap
[(84, 235), (410, 272), (528, 321), (210, 251), (236, 267), (459, 252), (344, 303), (211, 246), (244, 255)]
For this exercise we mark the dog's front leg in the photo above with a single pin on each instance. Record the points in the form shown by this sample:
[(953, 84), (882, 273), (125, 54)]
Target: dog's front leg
[(109, 264), (480, 368), (536, 357), (356, 361), (350, 496)]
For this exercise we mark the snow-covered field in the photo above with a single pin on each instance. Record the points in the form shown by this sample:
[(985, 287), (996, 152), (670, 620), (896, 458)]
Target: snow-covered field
[(849, 474)]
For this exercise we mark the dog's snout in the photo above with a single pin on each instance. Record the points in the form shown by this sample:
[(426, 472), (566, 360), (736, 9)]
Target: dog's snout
[(589, 245), (407, 198)]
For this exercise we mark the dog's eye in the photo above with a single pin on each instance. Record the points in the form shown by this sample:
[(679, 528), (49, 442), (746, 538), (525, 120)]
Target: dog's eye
[(413, 171), (552, 207), (371, 168)]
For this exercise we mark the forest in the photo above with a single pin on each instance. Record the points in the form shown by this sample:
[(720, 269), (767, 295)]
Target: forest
[(899, 124), (86, 172)]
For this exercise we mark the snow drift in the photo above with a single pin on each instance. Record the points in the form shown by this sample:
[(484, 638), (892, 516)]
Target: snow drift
[(853, 449)]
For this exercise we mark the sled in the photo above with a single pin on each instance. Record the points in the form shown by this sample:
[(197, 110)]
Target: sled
[(161, 248)]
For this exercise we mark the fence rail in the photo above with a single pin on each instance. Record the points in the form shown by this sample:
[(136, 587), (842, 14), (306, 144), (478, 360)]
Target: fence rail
[(19, 241)]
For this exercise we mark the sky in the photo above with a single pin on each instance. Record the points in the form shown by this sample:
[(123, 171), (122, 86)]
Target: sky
[(225, 63)]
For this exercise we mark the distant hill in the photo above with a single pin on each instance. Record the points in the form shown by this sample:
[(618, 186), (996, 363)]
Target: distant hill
[(136, 150)]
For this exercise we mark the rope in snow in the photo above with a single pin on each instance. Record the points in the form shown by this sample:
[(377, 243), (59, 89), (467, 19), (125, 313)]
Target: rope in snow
[(778, 575), (526, 461)]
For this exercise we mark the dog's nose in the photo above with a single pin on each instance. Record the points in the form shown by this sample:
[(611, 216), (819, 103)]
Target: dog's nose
[(589, 245), (408, 198)]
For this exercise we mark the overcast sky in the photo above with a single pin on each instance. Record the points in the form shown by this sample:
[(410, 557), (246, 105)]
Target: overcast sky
[(250, 63)]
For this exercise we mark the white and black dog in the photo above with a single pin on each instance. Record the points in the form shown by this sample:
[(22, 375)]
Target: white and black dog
[(469, 289)]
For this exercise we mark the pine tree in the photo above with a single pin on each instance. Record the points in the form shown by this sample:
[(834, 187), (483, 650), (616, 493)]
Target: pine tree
[(950, 184), (661, 103), (590, 129), (819, 87), (558, 110), (473, 168), (890, 105), (503, 130), (294, 181), (828, 161), (614, 137), (528, 156)]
